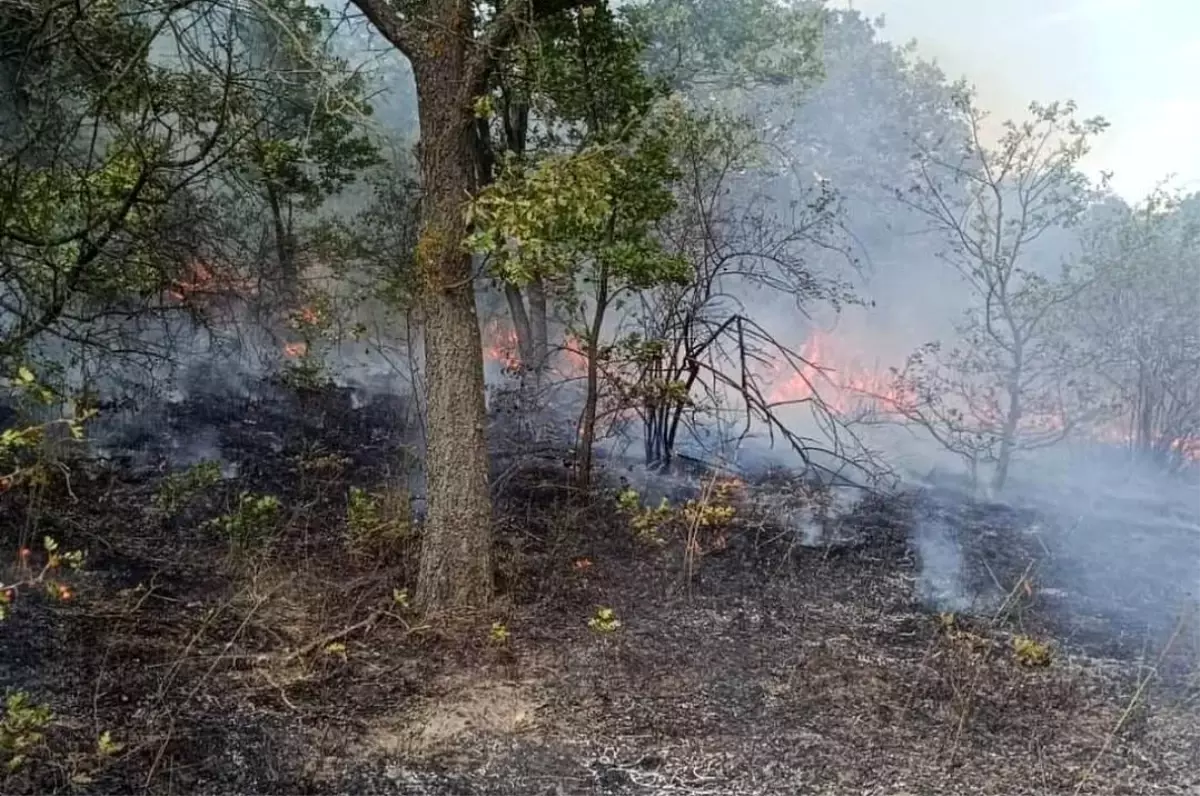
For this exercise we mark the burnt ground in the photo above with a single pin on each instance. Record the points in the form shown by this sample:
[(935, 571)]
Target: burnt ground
[(763, 666)]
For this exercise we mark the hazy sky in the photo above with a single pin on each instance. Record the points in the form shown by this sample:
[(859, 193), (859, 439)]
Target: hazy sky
[(1135, 62)]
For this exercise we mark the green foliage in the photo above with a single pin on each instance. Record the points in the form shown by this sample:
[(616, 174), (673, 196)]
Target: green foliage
[(252, 521), (118, 161), (24, 451), (593, 210), (22, 729), (376, 526), (582, 74), (588, 194), (647, 522), (303, 136), (650, 524), (91, 168), (1030, 652), (179, 489), (730, 43), (106, 746), (604, 621)]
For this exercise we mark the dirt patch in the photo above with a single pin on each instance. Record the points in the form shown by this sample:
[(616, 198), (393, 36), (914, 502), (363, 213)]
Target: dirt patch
[(460, 714)]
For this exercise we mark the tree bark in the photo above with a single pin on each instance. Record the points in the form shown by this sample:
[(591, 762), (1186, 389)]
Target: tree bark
[(521, 324), (455, 570), (528, 309), (527, 305), (285, 250)]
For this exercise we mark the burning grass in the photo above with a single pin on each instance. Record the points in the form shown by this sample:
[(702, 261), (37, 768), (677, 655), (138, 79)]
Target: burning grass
[(767, 663)]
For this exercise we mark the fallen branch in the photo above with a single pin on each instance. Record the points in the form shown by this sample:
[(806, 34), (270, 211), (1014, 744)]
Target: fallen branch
[(328, 639)]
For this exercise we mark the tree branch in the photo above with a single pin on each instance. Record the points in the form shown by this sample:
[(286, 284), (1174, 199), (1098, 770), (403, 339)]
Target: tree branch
[(501, 31), (390, 24)]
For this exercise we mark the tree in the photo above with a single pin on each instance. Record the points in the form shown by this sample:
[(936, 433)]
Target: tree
[(573, 80), (587, 219), (730, 45), (104, 165), (303, 142), (698, 347), (453, 46), (1137, 322), (1002, 388)]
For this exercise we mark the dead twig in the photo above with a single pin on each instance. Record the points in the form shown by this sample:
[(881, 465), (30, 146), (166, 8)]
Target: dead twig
[(329, 638), (1134, 700)]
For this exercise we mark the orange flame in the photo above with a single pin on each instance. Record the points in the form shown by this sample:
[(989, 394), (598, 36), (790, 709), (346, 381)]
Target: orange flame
[(306, 316), (838, 377), (845, 386), (201, 280), (841, 381), (500, 345)]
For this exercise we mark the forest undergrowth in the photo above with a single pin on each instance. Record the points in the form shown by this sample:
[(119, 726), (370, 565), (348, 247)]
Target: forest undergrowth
[(243, 624)]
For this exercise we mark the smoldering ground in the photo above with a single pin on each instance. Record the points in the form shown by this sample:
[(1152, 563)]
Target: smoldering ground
[(782, 658)]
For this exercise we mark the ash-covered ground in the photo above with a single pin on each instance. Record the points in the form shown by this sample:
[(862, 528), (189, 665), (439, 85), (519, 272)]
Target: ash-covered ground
[(916, 642)]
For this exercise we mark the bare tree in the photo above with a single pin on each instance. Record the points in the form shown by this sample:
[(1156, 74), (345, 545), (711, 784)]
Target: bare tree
[(1002, 388), (697, 352)]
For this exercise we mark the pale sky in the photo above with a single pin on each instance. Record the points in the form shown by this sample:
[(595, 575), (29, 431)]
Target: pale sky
[(1135, 62)]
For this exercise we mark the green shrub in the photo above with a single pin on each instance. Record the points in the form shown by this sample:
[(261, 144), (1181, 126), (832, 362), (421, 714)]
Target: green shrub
[(179, 489), (252, 522), (377, 525), (22, 729)]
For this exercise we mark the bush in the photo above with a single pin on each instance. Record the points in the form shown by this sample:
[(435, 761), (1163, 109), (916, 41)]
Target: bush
[(252, 522), (377, 525), (22, 729), (179, 489)]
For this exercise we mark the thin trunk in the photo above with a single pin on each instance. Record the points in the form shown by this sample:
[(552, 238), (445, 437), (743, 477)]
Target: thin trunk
[(526, 398), (1008, 439), (284, 250), (539, 326), (521, 323), (455, 569), (528, 309), (528, 305), (587, 425)]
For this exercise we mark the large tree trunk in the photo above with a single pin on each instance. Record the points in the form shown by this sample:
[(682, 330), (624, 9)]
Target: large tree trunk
[(455, 567)]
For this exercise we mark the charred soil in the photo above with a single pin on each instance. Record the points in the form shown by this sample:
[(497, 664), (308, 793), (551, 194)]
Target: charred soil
[(743, 662)]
